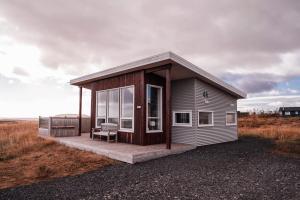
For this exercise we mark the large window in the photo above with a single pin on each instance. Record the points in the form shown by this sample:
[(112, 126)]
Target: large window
[(205, 118), (101, 108), (231, 118), (127, 108), (154, 108), (113, 106), (116, 106), (182, 118)]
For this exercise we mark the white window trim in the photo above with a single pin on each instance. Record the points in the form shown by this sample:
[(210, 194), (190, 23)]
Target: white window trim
[(183, 124), (106, 109), (160, 116), (206, 125), (107, 103), (129, 130), (231, 124), (100, 117)]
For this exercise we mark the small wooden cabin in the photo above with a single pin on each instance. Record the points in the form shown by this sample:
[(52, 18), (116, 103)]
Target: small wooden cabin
[(163, 99)]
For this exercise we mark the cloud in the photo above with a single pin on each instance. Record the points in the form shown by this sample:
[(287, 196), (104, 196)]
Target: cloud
[(253, 83), (33, 100), (72, 34), (268, 103), (252, 44), (261, 84), (20, 71)]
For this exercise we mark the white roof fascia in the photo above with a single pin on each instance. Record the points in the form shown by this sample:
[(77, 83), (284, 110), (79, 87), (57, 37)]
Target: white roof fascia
[(205, 74), (158, 58), (120, 68)]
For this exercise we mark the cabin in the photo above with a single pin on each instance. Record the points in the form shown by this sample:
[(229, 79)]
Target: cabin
[(289, 111), (162, 99)]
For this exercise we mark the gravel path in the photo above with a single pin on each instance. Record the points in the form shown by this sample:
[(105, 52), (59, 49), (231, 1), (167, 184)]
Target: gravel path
[(237, 170)]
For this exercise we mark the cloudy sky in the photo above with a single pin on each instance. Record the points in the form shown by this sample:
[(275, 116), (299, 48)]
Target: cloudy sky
[(252, 44)]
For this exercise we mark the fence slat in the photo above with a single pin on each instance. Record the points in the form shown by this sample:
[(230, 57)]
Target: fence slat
[(64, 126)]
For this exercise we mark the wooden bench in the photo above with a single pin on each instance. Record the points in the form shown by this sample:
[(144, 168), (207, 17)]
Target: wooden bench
[(107, 130)]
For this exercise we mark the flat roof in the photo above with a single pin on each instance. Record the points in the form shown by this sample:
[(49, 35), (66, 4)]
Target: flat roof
[(153, 61)]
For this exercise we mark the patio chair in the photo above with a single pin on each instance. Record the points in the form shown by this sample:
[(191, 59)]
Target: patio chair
[(107, 130)]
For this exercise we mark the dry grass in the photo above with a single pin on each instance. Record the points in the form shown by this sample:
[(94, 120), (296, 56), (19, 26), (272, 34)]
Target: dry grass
[(284, 131), (25, 158)]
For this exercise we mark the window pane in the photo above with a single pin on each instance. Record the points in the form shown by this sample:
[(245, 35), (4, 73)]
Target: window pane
[(154, 124), (101, 103), (127, 102), (230, 118), (126, 123), (100, 121), (205, 118), (182, 118), (154, 104), (113, 103), (113, 120)]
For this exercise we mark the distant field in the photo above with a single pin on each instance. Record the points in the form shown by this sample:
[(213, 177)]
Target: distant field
[(285, 132), (25, 158)]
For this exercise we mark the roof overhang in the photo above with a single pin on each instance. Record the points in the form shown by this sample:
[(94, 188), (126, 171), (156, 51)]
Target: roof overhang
[(155, 61)]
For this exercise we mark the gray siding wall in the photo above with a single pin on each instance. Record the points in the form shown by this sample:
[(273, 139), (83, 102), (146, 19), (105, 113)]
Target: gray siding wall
[(188, 95), (183, 98), (219, 102)]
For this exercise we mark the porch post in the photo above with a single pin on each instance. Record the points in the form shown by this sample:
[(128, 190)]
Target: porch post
[(80, 111), (168, 108)]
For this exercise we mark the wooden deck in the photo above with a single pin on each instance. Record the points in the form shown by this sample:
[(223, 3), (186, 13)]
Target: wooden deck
[(128, 153)]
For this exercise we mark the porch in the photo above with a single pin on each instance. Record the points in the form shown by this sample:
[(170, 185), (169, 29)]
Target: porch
[(128, 153)]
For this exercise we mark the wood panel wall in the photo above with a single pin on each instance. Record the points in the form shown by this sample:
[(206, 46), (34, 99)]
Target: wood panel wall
[(136, 79), (64, 126), (139, 79), (160, 137)]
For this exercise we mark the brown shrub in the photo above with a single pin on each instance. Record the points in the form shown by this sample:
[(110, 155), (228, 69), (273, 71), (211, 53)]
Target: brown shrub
[(26, 158), (284, 131), (44, 171)]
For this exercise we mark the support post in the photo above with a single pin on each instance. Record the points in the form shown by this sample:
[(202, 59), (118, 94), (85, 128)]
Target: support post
[(168, 108), (93, 110), (80, 111), (142, 98)]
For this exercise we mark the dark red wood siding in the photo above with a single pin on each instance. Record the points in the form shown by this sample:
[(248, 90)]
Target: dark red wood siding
[(160, 137), (136, 79), (139, 79)]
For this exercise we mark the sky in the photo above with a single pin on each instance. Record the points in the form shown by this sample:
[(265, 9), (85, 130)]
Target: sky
[(252, 44)]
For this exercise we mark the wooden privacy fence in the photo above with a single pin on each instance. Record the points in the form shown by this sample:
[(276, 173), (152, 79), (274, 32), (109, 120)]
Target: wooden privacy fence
[(63, 126)]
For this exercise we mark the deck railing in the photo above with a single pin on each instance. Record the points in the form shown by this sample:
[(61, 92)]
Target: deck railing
[(63, 126)]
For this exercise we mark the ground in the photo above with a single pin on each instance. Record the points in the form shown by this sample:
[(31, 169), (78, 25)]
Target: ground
[(245, 169), (25, 158), (263, 164), (283, 131)]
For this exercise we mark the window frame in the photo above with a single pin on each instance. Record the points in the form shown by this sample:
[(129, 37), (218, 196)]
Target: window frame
[(106, 91), (161, 111), (131, 130), (107, 104), (212, 120), (231, 124), (182, 124), (101, 117)]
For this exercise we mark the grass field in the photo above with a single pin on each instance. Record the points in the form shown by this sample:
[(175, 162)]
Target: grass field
[(285, 132), (26, 158)]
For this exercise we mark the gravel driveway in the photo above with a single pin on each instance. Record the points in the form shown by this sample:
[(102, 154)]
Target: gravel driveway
[(238, 170)]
